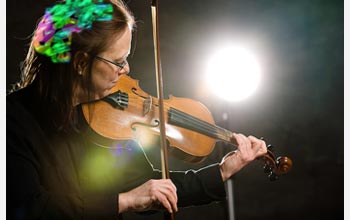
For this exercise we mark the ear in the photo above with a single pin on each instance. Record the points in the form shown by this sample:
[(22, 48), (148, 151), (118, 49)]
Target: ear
[(80, 62)]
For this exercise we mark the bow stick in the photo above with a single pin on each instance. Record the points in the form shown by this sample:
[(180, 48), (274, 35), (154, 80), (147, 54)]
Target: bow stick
[(163, 151)]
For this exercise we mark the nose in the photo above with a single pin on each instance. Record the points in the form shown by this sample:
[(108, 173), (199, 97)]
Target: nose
[(125, 70)]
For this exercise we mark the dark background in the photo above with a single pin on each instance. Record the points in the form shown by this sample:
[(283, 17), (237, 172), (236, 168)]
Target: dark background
[(299, 106)]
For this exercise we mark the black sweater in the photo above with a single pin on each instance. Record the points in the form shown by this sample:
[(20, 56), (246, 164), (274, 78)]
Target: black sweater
[(62, 175)]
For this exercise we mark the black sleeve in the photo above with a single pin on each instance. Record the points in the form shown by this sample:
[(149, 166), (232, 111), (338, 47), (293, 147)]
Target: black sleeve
[(195, 187), (28, 199), (199, 187), (28, 196)]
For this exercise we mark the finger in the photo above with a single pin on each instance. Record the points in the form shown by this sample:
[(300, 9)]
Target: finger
[(169, 190), (239, 138), (169, 185), (241, 141), (163, 199), (246, 144), (258, 145)]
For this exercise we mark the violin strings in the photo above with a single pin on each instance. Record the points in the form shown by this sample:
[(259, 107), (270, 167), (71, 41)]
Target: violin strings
[(199, 124), (195, 123), (203, 125)]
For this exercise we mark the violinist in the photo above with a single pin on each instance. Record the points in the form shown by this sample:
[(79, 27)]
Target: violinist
[(78, 52)]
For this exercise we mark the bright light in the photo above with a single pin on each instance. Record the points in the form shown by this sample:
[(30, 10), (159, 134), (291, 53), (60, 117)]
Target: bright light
[(233, 73)]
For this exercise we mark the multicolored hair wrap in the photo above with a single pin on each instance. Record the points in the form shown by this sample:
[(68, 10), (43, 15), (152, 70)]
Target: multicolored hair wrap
[(53, 35)]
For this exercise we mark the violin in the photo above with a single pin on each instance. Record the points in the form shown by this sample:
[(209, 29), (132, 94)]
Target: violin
[(130, 113)]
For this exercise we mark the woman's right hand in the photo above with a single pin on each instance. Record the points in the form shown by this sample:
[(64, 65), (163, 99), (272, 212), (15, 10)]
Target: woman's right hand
[(151, 195)]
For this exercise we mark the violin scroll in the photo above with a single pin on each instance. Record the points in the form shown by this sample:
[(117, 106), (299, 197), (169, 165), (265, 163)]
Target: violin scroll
[(274, 168)]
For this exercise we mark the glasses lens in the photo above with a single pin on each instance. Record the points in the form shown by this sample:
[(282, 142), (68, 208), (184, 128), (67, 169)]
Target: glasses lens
[(119, 65)]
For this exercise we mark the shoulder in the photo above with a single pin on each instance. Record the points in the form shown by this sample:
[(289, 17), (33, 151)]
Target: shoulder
[(21, 97), (21, 117), (26, 138), (20, 105)]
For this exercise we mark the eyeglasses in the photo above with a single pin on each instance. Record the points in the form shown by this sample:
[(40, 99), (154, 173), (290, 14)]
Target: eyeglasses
[(120, 65)]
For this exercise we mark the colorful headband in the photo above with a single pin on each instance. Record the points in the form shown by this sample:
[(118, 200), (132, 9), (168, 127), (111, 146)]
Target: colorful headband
[(53, 35)]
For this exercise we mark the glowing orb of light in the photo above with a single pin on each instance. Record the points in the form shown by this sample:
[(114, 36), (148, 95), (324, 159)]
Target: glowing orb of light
[(233, 73)]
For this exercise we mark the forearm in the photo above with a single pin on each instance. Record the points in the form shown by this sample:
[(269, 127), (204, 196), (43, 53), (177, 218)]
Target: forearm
[(236, 164), (249, 148), (199, 187)]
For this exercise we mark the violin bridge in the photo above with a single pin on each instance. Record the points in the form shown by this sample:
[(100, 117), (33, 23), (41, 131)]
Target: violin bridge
[(147, 105)]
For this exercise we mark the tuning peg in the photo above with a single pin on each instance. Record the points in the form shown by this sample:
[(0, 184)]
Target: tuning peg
[(267, 168), (270, 147), (273, 176)]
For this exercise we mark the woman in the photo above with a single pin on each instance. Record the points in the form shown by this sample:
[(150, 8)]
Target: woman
[(54, 171)]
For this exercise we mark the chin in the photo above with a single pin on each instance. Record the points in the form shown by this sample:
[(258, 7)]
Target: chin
[(98, 97), (102, 95)]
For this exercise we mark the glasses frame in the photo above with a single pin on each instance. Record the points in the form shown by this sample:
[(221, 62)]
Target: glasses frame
[(119, 65)]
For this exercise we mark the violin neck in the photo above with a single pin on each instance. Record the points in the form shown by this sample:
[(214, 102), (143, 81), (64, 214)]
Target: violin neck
[(184, 120)]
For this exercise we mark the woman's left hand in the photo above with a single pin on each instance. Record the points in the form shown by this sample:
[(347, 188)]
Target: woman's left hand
[(248, 149)]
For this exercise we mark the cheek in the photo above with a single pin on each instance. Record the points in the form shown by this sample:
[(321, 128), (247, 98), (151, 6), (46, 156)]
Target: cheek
[(101, 76), (102, 80)]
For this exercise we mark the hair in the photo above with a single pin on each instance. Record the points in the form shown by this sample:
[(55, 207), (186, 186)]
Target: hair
[(56, 81)]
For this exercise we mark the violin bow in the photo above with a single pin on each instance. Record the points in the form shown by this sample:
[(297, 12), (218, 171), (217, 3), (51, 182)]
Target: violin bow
[(158, 68)]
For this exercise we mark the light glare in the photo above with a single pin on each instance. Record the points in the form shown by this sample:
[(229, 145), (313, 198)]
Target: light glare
[(233, 73)]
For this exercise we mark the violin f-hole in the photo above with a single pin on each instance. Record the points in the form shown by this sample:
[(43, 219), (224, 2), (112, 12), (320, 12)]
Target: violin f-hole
[(134, 124)]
